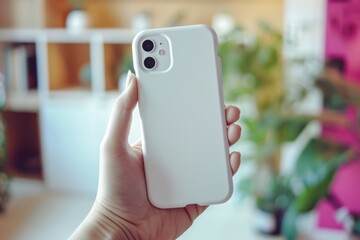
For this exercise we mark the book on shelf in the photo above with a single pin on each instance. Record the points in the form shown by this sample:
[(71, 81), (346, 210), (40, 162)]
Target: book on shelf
[(20, 69)]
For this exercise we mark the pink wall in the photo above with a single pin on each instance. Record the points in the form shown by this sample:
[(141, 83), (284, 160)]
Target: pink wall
[(343, 34), (343, 40)]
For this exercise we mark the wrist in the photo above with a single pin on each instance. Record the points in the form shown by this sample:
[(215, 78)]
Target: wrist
[(113, 225), (101, 223)]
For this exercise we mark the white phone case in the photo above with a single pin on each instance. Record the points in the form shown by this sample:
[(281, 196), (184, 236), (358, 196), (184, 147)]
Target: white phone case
[(186, 152)]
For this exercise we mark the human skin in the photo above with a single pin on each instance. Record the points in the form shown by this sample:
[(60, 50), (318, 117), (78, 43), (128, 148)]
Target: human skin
[(122, 209)]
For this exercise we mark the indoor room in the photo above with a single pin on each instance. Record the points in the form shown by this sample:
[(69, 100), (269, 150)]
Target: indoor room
[(276, 87)]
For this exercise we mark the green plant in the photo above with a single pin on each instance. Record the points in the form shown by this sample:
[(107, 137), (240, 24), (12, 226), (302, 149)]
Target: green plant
[(313, 173), (277, 196), (253, 66), (320, 159), (77, 4)]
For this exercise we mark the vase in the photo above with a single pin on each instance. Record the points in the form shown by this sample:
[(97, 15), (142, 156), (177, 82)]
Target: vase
[(76, 20), (268, 222)]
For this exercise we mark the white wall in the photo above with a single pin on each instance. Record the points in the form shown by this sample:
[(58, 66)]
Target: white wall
[(304, 24), (27, 13), (304, 37)]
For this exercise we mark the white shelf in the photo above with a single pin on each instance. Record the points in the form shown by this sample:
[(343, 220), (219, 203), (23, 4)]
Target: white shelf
[(96, 38), (27, 102), (120, 36), (76, 93)]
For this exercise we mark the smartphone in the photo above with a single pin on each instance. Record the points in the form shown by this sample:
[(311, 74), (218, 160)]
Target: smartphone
[(181, 106)]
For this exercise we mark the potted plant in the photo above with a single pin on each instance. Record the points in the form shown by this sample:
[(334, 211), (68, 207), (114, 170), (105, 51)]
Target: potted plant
[(253, 67), (77, 19), (312, 176), (322, 162)]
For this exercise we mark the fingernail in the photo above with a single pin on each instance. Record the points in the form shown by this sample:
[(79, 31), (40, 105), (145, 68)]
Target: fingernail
[(129, 78)]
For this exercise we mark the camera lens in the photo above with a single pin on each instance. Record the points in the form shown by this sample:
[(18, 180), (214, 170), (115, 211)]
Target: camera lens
[(149, 62), (148, 45)]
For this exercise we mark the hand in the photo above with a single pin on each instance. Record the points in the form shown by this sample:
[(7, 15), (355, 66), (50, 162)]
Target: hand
[(122, 209)]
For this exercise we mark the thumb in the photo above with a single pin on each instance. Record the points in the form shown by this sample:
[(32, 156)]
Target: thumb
[(117, 131)]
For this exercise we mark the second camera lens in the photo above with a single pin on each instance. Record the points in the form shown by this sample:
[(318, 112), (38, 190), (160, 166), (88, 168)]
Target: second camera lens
[(148, 45), (149, 62)]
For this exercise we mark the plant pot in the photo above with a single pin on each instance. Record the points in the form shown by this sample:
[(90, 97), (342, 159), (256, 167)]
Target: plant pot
[(76, 20), (268, 222)]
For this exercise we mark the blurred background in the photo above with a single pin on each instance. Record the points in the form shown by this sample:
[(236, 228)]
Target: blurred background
[(292, 66)]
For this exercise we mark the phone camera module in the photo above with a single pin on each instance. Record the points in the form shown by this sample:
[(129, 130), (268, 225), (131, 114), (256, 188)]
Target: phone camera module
[(149, 63), (148, 45)]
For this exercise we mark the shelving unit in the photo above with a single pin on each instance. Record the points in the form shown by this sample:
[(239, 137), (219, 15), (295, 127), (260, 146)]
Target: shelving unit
[(23, 144), (77, 81), (27, 102), (56, 45)]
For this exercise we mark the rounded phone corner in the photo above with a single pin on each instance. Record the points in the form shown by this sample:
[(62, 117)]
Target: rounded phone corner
[(161, 205), (223, 199), (211, 31), (153, 201), (227, 195)]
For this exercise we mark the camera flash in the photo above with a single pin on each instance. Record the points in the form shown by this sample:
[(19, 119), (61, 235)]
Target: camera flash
[(161, 52)]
